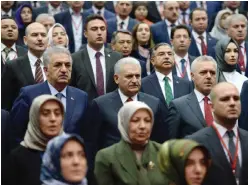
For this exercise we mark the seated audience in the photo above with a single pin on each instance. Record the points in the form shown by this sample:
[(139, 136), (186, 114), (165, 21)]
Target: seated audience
[(57, 36), (134, 159), (140, 11), (47, 20)]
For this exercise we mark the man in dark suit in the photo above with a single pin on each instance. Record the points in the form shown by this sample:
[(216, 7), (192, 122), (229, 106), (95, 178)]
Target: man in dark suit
[(163, 84), (243, 119), (57, 66), (92, 69), (122, 20), (7, 8), (184, 12), (224, 140), (180, 40), (73, 20), (25, 70), (155, 11), (9, 36), (191, 112), (98, 8), (161, 31), (237, 29), (201, 41)]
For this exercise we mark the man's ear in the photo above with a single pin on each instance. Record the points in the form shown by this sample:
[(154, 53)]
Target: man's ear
[(85, 33), (25, 40), (116, 79)]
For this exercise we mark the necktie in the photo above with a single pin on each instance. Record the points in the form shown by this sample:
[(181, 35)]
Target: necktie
[(184, 17), (208, 114), (38, 72), (59, 95), (6, 51), (203, 45), (129, 99), (241, 60), (184, 72), (168, 91), (121, 25), (173, 25), (99, 75), (232, 149), (99, 12)]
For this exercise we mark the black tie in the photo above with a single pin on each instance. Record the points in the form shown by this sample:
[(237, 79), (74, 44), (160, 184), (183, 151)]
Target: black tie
[(59, 96), (122, 24)]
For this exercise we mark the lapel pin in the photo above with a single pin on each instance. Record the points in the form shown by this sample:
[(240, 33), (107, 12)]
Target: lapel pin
[(108, 55), (151, 165), (177, 82), (72, 98)]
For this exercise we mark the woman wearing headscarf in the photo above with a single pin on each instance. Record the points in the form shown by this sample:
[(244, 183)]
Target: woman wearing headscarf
[(134, 159), (57, 36), (45, 122), (219, 30), (64, 161), (227, 53), (184, 162)]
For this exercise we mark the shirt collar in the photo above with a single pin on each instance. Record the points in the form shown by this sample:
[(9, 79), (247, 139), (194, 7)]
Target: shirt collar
[(13, 47), (196, 35), (168, 23), (9, 13), (178, 58), (243, 44), (55, 91), (119, 20), (95, 10), (33, 58), (92, 52), (186, 11), (73, 13), (124, 97), (236, 11), (222, 130), (51, 8), (199, 95), (161, 76)]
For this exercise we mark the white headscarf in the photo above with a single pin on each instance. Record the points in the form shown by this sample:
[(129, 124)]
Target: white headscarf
[(50, 35), (125, 114)]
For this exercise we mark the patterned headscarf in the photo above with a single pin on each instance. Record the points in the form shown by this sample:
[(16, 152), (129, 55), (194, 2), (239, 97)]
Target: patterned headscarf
[(125, 114), (172, 158), (50, 168), (18, 17), (34, 138)]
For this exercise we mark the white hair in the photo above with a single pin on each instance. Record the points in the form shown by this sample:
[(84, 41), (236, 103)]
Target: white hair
[(123, 61), (202, 59)]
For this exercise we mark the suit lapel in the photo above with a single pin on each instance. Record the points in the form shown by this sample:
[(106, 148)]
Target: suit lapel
[(70, 104), (107, 53), (246, 49), (244, 150), (166, 31), (176, 86), (156, 86), (25, 68), (194, 48), (115, 101)]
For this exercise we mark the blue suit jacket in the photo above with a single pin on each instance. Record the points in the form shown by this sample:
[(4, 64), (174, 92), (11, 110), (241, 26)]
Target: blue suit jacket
[(246, 69), (160, 33), (211, 42), (65, 19), (76, 105), (243, 119), (112, 26), (107, 14)]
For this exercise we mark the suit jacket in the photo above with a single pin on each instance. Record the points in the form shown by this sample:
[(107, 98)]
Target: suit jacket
[(5, 135), (117, 165), (107, 14), (83, 76), (18, 73), (185, 116), (65, 19), (211, 42), (243, 119), (246, 69), (109, 5), (112, 26), (220, 171), (150, 85), (160, 33), (153, 14), (174, 70), (76, 105)]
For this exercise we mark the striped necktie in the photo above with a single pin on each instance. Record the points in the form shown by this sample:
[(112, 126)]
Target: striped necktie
[(38, 72)]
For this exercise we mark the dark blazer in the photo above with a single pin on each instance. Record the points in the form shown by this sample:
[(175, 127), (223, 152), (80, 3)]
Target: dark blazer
[(150, 85), (112, 26), (109, 5), (65, 19), (76, 105), (17, 74), (211, 42), (153, 14), (220, 171), (117, 165), (243, 119), (160, 33), (246, 69), (83, 76), (5, 135), (185, 116), (107, 14), (174, 70)]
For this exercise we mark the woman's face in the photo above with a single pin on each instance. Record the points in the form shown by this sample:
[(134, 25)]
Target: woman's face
[(222, 20), (140, 127), (59, 36), (195, 167), (50, 118), (141, 13), (231, 54), (73, 162), (143, 34), (26, 15)]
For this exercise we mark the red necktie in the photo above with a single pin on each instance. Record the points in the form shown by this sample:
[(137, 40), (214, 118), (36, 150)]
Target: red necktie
[(208, 114), (38, 72), (99, 75), (241, 60), (203, 45), (129, 99)]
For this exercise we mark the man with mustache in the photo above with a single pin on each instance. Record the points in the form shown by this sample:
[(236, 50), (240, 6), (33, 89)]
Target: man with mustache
[(25, 70), (7, 8), (191, 113), (226, 142)]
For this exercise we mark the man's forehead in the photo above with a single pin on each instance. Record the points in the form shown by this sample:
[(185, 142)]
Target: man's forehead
[(8, 21), (123, 36)]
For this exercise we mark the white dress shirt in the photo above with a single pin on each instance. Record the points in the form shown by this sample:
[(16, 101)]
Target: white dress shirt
[(32, 60), (169, 26), (119, 20), (187, 12), (52, 10), (198, 41), (95, 10), (12, 54), (124, 97), (161, 82), (9, 13), (235, 78), (92, 56), (200, 100), (186, 64)]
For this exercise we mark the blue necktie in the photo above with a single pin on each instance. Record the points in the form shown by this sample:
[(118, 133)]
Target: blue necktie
[(183, 68)]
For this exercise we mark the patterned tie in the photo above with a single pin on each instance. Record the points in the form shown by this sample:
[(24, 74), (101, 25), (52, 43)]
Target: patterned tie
[(203, 45), (184, 17), (184, 72), (122, 25), (7, 51), (168, 91), (241, 60), (129, 99), (208, 114), (38, 72), (59, 95), (99, 75)]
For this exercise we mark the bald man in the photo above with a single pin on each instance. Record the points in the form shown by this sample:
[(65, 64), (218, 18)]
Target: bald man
[(224, 140), (25, 70)]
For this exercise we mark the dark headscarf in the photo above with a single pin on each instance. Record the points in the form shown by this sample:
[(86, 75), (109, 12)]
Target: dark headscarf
[(18, 17), (172, 158), (50, 168)]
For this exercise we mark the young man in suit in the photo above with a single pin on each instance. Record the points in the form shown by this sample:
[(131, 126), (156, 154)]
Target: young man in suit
[(92, 69), (25, 70), (57, 66), (162, 83), (227, 144), (191, 112)]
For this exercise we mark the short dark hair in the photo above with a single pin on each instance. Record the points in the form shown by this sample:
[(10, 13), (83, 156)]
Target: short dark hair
[(7, 17), (181, 26), (157, 46), (93, 17), (113, 38), (136, 4), (196, 9)]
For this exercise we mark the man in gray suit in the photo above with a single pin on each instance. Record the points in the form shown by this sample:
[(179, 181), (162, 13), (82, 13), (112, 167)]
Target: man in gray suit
[(191, 112)]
